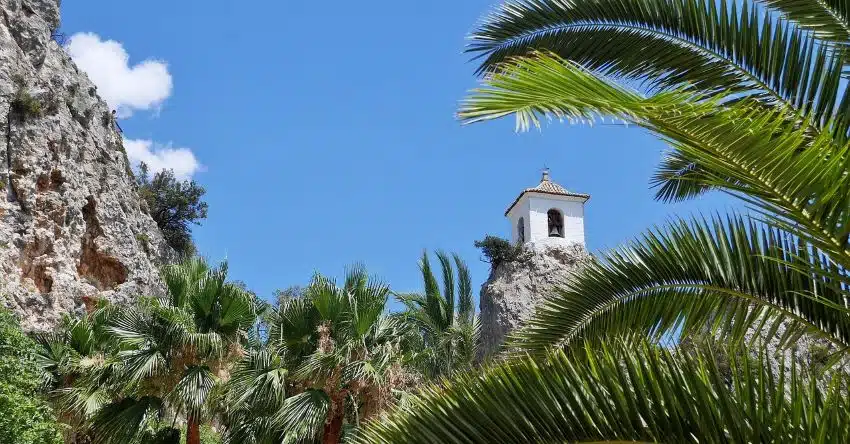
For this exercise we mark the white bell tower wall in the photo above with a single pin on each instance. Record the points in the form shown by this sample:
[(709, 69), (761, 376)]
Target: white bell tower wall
[(572, 210)]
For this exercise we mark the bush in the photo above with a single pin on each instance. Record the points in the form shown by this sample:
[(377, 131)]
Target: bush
[(174, 205), (25, 104), (25, 417), (497, 250)]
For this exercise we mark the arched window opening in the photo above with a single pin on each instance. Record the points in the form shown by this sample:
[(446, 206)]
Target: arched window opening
[(520, 230), (556, 223)]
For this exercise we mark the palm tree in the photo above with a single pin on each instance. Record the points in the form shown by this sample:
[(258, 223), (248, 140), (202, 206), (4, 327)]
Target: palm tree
[(445, 321), (71, 358), (749, 96), (332, 357), (622, 391), (127, 370)]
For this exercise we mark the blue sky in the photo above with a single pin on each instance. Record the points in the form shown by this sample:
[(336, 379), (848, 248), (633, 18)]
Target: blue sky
[(325, 134)]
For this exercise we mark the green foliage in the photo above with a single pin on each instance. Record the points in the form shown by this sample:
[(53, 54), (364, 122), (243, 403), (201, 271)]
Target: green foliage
[(622, 391), (750, 98), (443, 321), (165, 436), (25, 105), (208, 436), (123, 372), (175, 205), (332, 359), (24, 416), (780, 275), (497, 250)]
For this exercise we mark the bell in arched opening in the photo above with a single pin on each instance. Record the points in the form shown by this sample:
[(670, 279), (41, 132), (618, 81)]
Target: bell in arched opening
[(556, 223)]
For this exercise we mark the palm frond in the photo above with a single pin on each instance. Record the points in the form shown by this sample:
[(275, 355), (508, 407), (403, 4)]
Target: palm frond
[(465, 309), (236, 309), (678, 178), (763, 156), (762, 159), (623, 393), (365, 306), (829, 20), (204, 297), (713, 46), (259, 381), (192, 390), (141, 364), (82, 400), (326, 298), (122, 421), (293, 326), (435, 305), (302, 417), (730, 277), (181, 277), (448, 286)]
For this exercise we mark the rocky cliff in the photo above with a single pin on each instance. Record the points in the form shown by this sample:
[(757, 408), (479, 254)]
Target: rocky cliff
[(71, 223), (514, 288)]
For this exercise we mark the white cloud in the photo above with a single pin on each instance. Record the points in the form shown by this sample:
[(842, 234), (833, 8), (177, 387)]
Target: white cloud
[(162, 157), (143, 86)]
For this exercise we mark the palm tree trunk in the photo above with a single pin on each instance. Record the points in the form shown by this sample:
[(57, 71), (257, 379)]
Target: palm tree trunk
[(193, 431), (333, 428)]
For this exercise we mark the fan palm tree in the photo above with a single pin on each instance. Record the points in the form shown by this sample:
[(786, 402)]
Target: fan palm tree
[(332, 357), (70, 358), (445, 321), (128, 369)]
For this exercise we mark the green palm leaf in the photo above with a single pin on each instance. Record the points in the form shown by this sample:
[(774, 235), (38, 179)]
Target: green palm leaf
[(728, 276), (444, 321), (828, 19), (181, 277), (620, 393), (465, 310), (763, 156), (293, 327), (193, 390), (365, 305), (302, 417), (435, 304), (123, 421), (716, 47), (326, 298), (259, 381), (448, 295)]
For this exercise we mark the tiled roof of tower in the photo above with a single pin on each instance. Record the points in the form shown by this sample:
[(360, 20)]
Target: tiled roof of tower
[(546, 186)]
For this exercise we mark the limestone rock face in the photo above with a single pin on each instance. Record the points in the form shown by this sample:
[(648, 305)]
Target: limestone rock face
[(71, 224), (513, 289)]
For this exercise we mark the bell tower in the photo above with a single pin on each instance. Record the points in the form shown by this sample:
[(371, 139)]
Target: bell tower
[(547, 213)]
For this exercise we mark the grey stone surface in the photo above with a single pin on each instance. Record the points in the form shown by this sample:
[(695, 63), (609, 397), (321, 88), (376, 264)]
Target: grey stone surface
[(71, 224), (513, 289), (808, 354)]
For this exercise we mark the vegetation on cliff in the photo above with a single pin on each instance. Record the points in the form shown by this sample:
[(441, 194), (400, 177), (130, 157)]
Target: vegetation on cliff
[(174, 205), (25, 416)]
